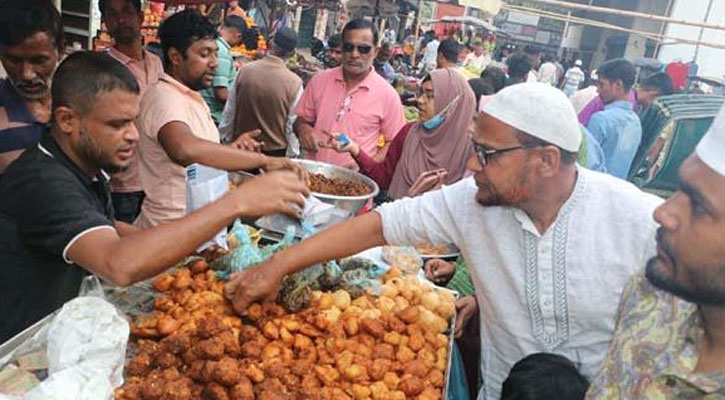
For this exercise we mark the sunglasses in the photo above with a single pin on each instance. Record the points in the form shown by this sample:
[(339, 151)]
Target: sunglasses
[(361, 48), (484, 155)]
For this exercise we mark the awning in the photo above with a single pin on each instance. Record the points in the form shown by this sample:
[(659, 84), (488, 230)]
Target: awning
[(465, 21)]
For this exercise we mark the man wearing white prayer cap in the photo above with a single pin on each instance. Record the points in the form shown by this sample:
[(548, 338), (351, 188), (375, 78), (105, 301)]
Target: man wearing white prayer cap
[(549, 245), (670, 337)]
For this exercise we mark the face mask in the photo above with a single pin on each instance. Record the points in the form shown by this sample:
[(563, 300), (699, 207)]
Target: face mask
[(439, 118)]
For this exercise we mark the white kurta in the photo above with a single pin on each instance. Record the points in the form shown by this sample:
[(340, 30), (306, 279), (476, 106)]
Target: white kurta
[(557, 292)]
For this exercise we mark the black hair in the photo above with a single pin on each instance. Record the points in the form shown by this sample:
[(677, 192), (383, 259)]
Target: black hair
[(532, 50), (661, 82), (544, 376), (84, 75), (102, 6), (360, 23), (618, 69), (21, 19), (335, 41), (182, 29), (236, 22), (480, 87), (519, 66), (450, 48), (547, 58), (495, 77)]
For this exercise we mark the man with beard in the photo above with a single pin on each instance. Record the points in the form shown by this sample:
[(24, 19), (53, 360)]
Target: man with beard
[(670, 336), (334, 52), (549, 245), (56, 218), (382, 62), (123, 20), (175, 124), (352, 99), (31, 43)]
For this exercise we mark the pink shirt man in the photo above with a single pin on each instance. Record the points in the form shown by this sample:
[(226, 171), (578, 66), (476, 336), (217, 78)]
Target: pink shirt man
[(147, 73), (363, 113), (163, 180)]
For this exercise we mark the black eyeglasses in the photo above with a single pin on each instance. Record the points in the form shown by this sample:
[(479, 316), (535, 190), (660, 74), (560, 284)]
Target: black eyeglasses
[(361, 48), (484, 154)]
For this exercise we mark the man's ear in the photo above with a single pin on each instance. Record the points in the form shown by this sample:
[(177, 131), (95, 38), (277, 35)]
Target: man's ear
[(66, 120), (175, 56), (550, 157)]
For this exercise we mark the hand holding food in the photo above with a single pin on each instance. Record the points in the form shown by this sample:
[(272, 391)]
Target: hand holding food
[(284, 163), (439, 271), (257, 283), (279, 191)]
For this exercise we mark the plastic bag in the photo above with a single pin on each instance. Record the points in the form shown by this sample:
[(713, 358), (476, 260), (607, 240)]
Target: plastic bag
[(247, 252), (205, 185)]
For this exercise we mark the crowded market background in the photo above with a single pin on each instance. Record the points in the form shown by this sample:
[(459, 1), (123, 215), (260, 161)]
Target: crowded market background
[(213, 201)]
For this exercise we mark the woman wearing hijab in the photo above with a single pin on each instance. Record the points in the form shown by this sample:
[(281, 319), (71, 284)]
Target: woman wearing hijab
[(429, 152)]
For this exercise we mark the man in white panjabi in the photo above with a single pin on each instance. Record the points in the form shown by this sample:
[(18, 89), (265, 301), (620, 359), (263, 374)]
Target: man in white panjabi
[(549, 245)]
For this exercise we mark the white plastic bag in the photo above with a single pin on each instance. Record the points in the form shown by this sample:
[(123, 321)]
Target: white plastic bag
[(205, 185)]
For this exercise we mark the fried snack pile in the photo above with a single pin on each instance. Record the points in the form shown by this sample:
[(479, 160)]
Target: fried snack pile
[(430, 250), (337, 187), (389, 347), (189, 294)]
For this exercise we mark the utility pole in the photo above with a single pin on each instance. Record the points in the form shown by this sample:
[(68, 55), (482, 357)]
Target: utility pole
[(702, 30)]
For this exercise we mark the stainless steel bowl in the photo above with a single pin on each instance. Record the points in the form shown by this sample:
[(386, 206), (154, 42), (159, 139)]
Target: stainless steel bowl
[(350, 203)]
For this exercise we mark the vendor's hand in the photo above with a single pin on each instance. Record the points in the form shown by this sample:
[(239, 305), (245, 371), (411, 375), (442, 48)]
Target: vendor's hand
[(333, 142), (284, 163), (467, 307), (308, 140), (256, 283), (427, 181), (275, 192), (439, 271), (246, 141)]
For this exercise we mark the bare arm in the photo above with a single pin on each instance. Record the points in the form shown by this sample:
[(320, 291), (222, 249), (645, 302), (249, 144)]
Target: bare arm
[(147, 252), (340, 241), (306, 133), (221, 94), (184, 149), (125, 229)]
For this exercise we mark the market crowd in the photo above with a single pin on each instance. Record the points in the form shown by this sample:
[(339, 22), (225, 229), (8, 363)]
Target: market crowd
[(574, 283)]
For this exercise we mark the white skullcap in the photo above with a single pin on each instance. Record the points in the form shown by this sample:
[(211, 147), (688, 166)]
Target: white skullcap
[(539, 110), (578, 63), (711, 148)]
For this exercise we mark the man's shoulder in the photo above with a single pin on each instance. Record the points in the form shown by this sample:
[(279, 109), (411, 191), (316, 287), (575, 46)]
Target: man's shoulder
[(35, 171), (159, 91), (379, 86), (154, 59), (644, 306)]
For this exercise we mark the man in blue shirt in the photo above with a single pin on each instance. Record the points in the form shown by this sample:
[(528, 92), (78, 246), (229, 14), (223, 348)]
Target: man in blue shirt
[(31, 43), (617, 128), (382, 62)]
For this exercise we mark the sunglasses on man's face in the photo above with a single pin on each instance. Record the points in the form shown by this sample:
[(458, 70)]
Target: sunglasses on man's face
[(361, 48)]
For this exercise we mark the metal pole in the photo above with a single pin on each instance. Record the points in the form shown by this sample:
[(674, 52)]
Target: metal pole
[(702, 30), (566, 34)]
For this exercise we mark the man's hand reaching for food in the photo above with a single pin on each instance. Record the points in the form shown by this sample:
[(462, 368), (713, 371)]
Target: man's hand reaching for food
[(256, 283)]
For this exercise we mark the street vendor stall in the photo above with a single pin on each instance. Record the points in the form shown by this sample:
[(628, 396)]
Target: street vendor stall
[(368, 326)]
